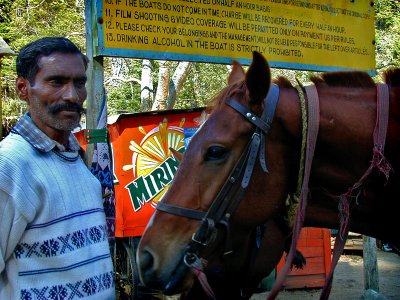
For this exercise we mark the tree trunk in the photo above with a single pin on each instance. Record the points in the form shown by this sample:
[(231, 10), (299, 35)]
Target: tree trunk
[(146, 86), (177, 81), (160, 102)]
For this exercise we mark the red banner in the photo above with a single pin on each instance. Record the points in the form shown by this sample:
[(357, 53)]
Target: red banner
[(143, 164)]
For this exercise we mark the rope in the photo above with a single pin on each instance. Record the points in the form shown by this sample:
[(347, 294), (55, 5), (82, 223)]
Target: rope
[(197, 267), (303, 135), (204, 283), (312, 134), (292, 201)]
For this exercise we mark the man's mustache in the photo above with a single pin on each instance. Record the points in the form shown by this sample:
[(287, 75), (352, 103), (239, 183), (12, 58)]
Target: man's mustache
[(68, 106)]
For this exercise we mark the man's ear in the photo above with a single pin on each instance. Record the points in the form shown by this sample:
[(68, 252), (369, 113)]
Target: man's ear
[(22, 85)]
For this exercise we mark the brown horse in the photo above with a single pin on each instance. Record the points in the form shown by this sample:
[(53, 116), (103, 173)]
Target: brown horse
[(213, 181)]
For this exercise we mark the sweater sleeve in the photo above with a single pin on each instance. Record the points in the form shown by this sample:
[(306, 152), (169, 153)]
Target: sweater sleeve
[(12, 226)]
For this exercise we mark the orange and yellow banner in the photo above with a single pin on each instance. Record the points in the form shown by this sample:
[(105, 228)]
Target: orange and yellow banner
[(143, 164)]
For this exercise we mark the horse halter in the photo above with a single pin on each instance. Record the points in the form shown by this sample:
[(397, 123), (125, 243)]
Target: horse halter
[(231, 193)]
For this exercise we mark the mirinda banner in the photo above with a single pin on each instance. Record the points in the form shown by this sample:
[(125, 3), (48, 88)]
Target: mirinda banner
[(143, 164)]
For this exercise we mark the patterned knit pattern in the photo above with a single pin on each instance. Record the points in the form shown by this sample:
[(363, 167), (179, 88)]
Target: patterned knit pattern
[(53, 242)]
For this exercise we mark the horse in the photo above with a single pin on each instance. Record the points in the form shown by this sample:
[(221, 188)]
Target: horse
[(242, 168)]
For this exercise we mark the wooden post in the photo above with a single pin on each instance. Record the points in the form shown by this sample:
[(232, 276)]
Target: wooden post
[(95, 74), (371, 276)]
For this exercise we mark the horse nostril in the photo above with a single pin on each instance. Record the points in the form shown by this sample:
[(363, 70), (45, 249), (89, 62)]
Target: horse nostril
[(146, 264), (145, 259), (148, 269)]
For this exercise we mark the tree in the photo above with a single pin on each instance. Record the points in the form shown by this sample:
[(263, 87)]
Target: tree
[(162, 87), (387, 34), (23, 21), (146, 85)]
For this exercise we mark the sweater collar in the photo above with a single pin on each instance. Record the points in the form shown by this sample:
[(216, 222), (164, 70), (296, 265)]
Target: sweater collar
[(38, 139)]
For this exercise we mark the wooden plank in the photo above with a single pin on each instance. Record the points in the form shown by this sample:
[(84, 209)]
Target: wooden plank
[(310, 281), (315, 233), (310, 242), (312, 251), (314, 243), (327, 251)]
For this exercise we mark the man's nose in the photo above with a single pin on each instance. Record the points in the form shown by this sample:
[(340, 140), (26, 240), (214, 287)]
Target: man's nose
[(71, 93)]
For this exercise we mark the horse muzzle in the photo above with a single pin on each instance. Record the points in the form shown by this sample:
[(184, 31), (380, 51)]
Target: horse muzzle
[(170, 280)]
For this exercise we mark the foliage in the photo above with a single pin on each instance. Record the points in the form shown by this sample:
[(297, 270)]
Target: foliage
[(38, 18), (387, 33), (23, 21), (202, 83)]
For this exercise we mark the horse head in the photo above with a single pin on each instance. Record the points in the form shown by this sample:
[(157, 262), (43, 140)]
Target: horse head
[(202, 214)]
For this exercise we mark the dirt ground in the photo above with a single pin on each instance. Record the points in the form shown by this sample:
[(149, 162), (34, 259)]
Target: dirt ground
[(348, 281)]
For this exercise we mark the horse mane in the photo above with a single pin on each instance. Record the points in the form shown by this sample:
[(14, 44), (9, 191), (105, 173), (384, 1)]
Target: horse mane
[(355, 79), (392, 77), (282, 82), (334, 79), (344, 79)]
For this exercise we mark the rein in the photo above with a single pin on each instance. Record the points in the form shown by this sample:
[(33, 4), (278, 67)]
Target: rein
[(312, 124), (227, 200), (378, 161)]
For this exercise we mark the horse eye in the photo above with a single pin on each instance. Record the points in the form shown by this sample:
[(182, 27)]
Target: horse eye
[(215, 153)]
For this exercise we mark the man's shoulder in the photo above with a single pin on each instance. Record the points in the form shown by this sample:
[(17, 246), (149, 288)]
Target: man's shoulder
[(13, 140), (14, 147)]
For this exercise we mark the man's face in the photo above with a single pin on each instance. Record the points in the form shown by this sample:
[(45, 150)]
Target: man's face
[(55, 99)]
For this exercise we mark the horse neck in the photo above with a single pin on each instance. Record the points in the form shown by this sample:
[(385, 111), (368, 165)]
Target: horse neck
[(344, 145), (345, 139)]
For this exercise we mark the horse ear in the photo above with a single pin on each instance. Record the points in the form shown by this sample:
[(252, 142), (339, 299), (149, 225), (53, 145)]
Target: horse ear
[(237, 73), (258, 78), (176, 154)]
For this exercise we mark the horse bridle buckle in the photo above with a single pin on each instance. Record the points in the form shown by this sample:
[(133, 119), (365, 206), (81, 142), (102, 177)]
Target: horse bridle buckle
[(198, 241), (206, 232)]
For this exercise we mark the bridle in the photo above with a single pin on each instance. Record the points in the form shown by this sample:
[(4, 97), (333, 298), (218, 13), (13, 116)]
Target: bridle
[(229, 197)]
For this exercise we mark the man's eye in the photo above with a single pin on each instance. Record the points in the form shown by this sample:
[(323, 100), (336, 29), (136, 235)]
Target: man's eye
[(56, 82), (81, 82)]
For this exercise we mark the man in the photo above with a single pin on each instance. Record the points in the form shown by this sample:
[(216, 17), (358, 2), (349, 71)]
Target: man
[(53, 235)]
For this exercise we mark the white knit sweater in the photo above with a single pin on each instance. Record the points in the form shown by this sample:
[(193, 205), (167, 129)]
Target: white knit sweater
[(53, 235)]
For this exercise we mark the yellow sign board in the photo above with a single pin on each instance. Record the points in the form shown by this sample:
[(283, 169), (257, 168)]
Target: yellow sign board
[(310, 35)]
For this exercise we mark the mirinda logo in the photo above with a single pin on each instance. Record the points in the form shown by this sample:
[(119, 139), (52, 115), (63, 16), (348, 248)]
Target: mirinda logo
[(153, 164)]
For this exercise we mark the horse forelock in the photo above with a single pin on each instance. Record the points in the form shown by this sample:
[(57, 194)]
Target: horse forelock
[(238, 89)]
